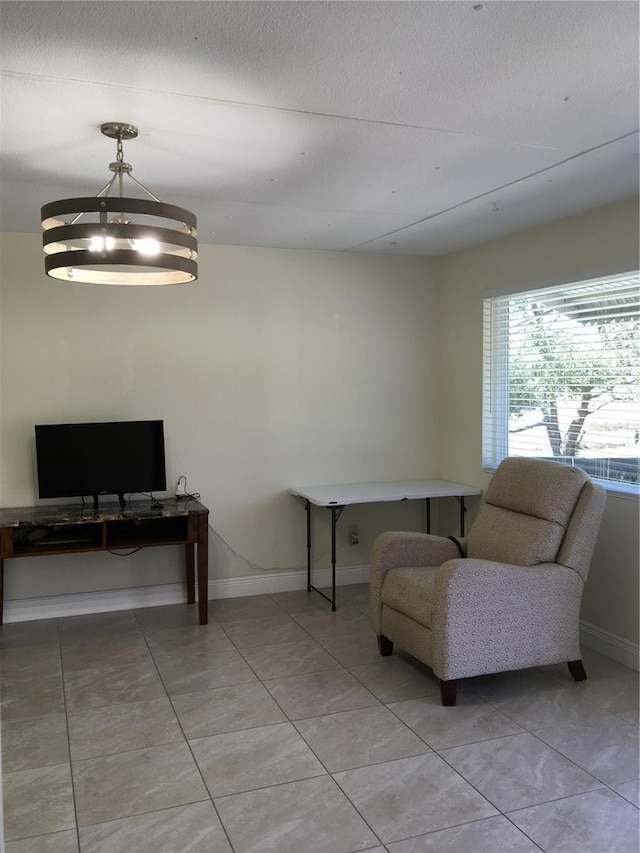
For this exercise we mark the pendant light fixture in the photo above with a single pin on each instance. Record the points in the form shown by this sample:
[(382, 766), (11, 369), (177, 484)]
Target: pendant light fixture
[(116, 239)]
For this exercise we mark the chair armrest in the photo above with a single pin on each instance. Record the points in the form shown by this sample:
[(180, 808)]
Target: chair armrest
[(403, 548), (498, 581), (489, 617)]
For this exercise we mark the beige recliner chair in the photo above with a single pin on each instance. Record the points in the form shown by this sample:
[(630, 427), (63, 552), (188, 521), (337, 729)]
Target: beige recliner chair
[(513, 600)]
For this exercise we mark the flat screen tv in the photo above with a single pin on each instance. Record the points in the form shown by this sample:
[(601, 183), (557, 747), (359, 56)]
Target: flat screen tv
[(74, 460)]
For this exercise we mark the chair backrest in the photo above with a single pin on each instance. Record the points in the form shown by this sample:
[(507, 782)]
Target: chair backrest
[(536, 511)]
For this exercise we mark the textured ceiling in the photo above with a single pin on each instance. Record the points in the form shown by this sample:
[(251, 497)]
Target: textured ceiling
[(408, 127)]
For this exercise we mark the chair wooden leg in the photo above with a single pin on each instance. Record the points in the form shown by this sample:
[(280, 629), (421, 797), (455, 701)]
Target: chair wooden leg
[(577, 670), (385, 645), (448, 692)]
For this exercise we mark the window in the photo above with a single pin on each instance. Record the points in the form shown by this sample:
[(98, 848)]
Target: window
[(562, 377)]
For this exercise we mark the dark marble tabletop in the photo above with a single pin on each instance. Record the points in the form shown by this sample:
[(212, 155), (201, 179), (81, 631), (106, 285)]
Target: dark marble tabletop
[(77, 514)]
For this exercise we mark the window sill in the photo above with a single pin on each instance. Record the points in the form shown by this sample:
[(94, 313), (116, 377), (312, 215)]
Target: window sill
[(626, 491)]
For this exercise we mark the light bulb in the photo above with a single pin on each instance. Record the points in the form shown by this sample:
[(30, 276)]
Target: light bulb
[(100, 244), (147, 246)]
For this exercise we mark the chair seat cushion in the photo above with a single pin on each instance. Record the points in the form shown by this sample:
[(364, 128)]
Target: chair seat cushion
[(410, 590)]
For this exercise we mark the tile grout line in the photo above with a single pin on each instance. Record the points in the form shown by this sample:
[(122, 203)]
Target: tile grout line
[(186, 740), (66, 721), (292, 724), (291, 721), (341, 667)]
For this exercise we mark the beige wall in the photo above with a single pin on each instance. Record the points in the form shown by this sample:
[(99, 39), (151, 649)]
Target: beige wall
[(568, 249), (277, 368), (286, 368)]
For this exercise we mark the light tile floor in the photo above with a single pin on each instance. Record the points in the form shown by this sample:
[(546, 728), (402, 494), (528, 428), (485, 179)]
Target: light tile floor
[(279, 728)]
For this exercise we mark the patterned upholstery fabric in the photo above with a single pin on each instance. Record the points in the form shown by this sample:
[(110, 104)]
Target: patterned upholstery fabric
[(401, 548), (492, 617), (536, 487), (582, 532), (526, 510), (510, 537), (518, 608), (410, 591)]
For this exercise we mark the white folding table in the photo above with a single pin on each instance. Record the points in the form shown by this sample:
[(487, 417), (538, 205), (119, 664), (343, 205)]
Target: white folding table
[(336, 497)]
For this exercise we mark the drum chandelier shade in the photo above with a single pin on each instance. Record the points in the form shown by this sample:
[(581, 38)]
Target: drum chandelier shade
[(119, 240)]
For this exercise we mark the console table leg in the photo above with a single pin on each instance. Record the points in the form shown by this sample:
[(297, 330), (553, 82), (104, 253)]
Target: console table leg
[(203, 569), (1, 590), (189, 555)]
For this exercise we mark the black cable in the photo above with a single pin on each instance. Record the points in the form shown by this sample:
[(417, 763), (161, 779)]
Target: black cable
[(155, 502), (115, 553), (458, 545)]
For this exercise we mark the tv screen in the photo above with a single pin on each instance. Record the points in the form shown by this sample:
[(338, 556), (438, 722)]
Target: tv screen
[(74, 460)]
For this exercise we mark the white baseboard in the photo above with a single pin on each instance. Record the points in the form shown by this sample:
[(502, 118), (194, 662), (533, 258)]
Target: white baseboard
[(103, 601), (609, 644)]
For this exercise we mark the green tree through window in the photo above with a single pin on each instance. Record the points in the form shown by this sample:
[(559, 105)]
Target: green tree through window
[(562, 376)]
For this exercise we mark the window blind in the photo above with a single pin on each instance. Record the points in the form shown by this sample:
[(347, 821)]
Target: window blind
[(561, 376)]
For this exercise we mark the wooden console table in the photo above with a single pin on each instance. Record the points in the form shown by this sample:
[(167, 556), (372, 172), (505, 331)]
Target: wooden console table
[(46, 530)]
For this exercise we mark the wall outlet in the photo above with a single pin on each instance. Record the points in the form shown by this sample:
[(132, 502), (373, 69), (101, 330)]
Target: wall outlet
[(181, 487), (354, 534)]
